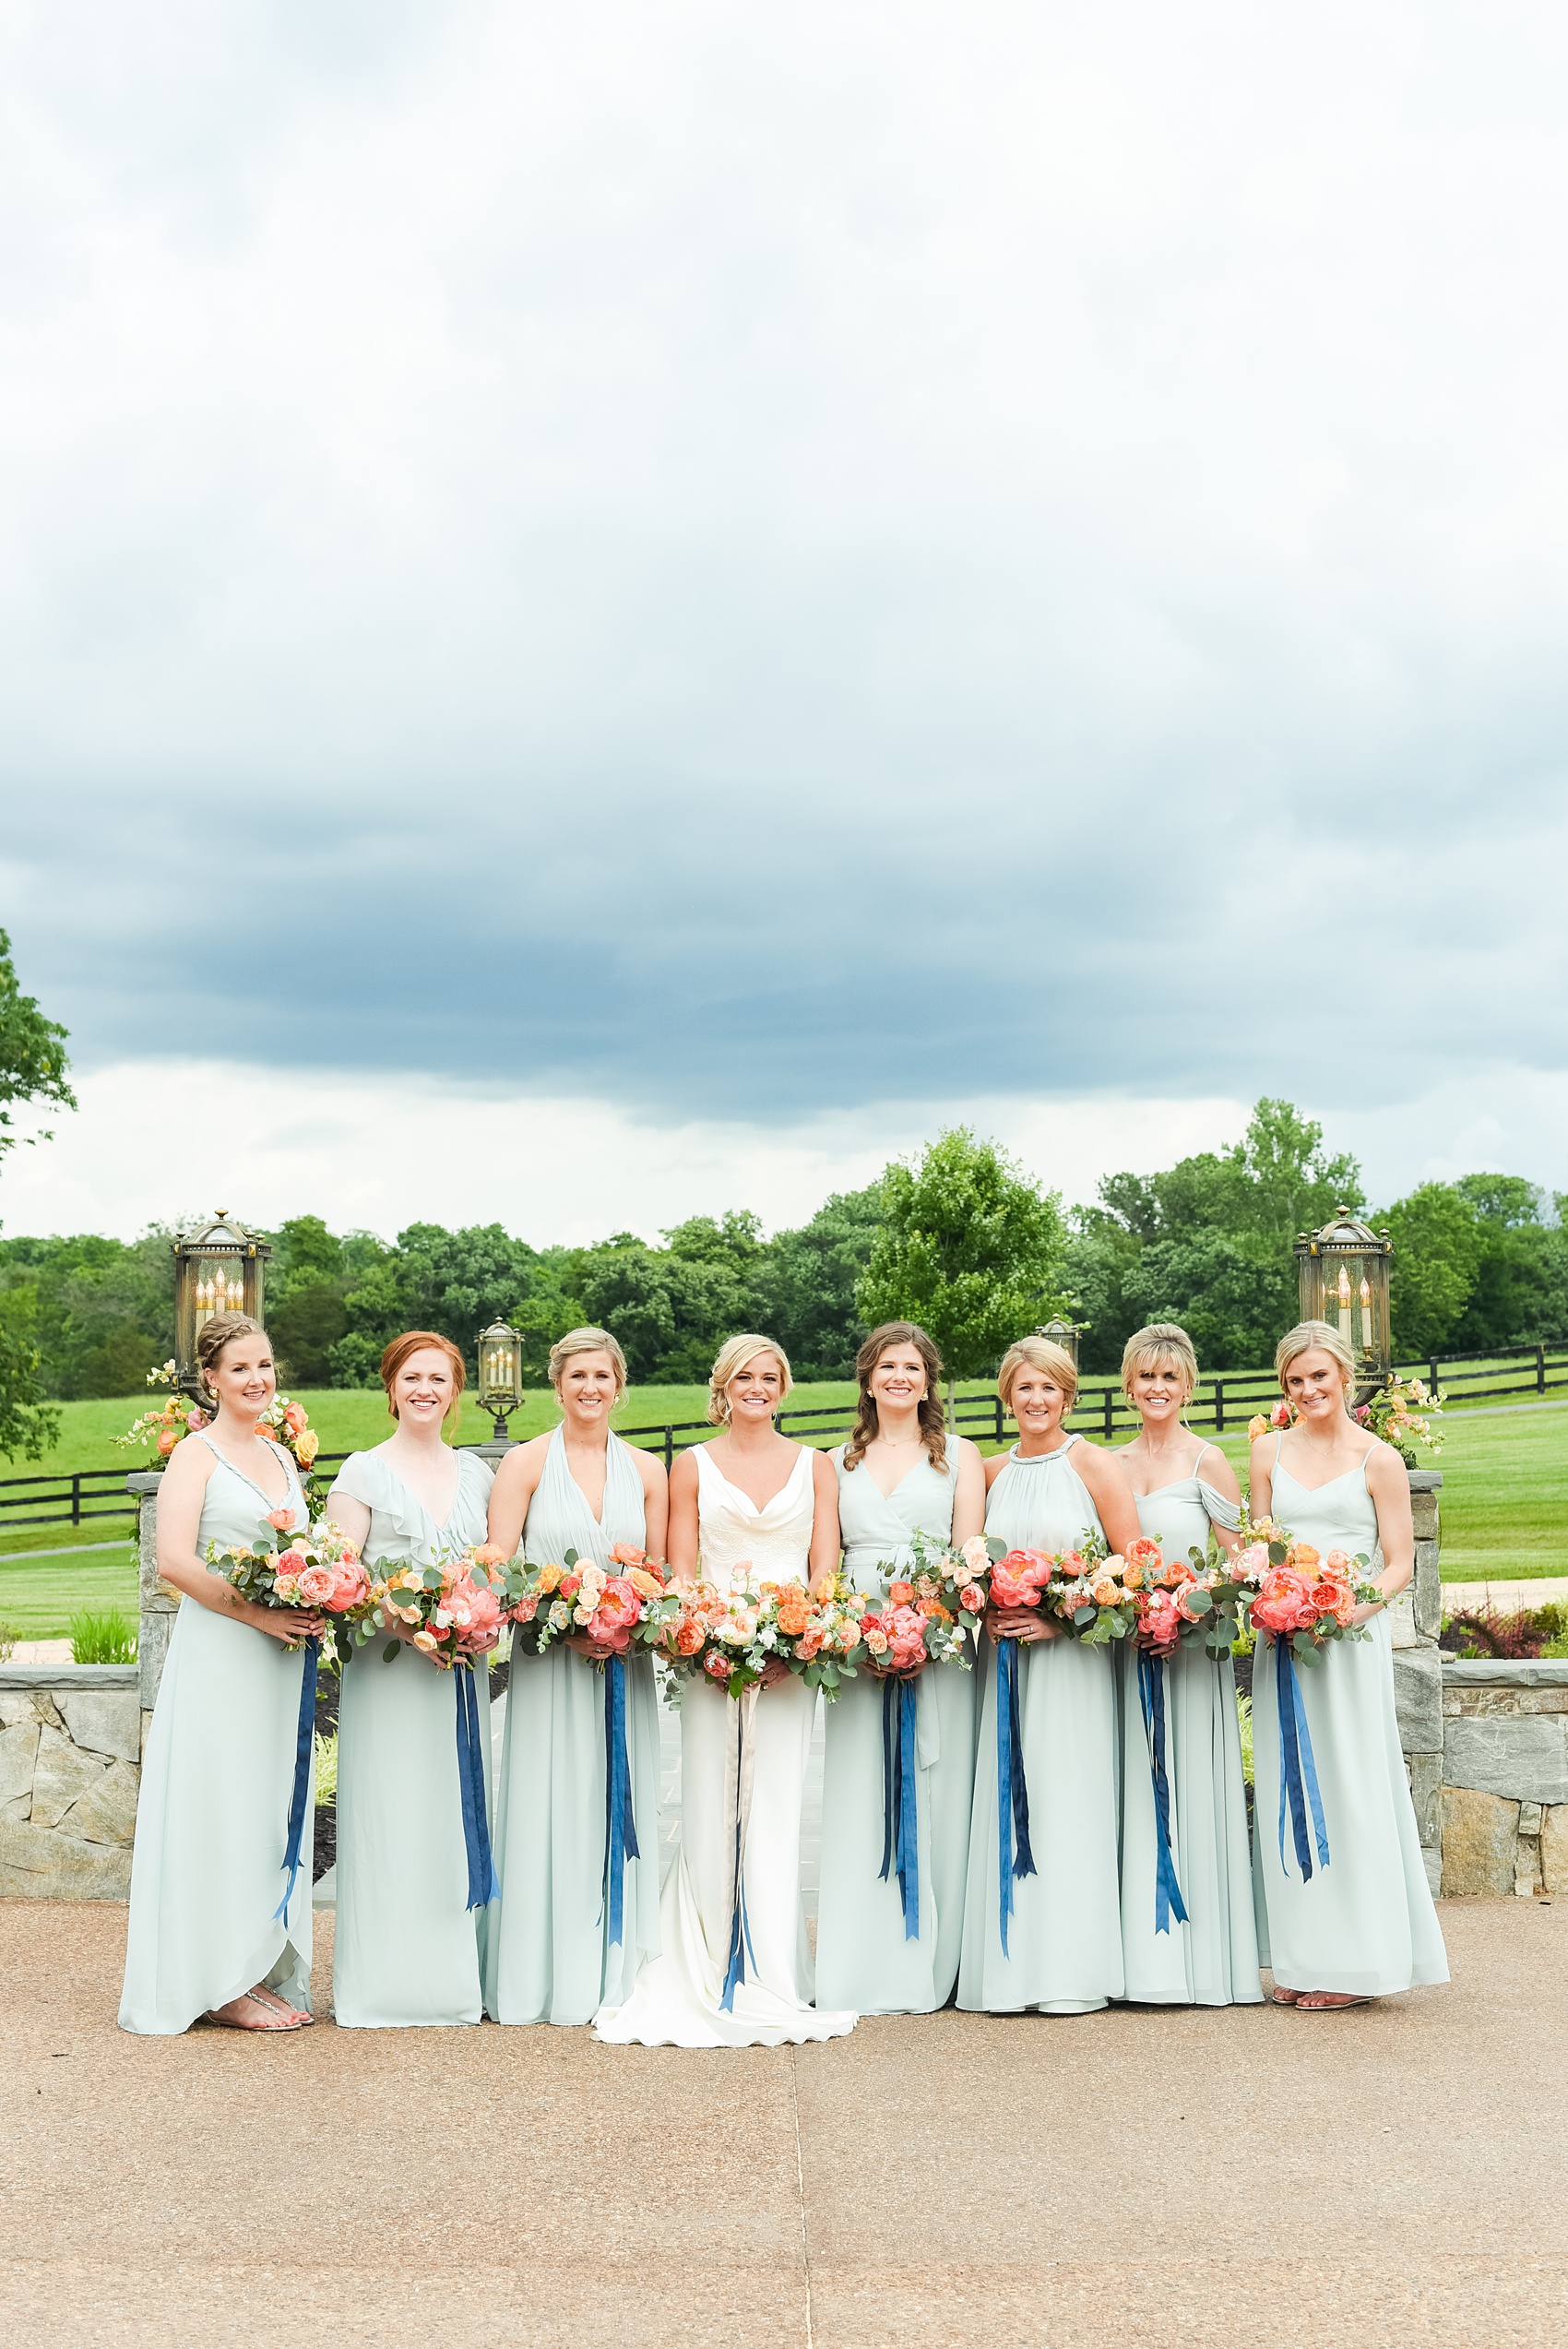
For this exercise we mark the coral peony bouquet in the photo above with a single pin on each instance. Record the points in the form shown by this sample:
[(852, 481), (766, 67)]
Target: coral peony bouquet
[(731, 1638), (933, 1609), (625, 1605), (320, 1572), (449, 1610), (1290, 1590), (1177, 1601), (1094, 1592)]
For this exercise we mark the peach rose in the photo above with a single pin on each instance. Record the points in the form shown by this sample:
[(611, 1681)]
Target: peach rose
[(975, 1554), (426, 1642), (549, 1579), (1105, 1592), (350, 1584), (688, 1637), (306, 1445), (971, 1598), (901, 1594), (874, 1635), (813, 1642), (1016, 1579), (646, 1585), (570, 1584), (627, 1554)]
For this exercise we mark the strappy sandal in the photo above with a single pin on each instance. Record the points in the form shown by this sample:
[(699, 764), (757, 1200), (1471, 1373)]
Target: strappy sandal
[(1326, 2002), (279, 2016), (1280, 1996)]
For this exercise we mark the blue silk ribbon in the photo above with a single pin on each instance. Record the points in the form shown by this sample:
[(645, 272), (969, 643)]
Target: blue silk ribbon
[(620, 1827), (304, 1743), (740, 1930), (482, 1888), (900, 1816), (1168, 1902), (1298, 1770), (1014, 1855)]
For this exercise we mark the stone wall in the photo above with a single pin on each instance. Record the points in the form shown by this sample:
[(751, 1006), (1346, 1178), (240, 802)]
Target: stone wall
[(1505, 1776), (1415, 1620), (70, 1766)]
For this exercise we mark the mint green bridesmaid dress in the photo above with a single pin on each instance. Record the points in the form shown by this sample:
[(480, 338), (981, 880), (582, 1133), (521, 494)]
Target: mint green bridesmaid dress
[(1063, 1951), (408, 1950), (212, 1820), (863, 1960), (550, 1957), (1212, 1960)]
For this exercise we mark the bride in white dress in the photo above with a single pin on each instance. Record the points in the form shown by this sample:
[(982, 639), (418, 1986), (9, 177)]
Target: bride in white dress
[(749, 1500)]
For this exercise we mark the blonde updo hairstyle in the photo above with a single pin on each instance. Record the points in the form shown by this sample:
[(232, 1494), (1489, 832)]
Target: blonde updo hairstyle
[(1039, 1353), (586, 1341), (1162, 1345), (734, 1356), (1302, 1339), (218, 1331)]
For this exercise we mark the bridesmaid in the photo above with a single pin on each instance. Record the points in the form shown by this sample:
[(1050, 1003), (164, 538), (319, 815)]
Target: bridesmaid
[(551, 1957), (1363, 1923), (749, 1502), (209, 1934), (1064, 1933), (408, 1948), (1184, 1488), (899, 1472)]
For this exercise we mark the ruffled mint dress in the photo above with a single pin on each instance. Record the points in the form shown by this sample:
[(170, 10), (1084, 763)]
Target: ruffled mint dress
[(864, 1960), (551, 1957), (409, 1949), (1063, 1951), (212, 1820), (1212, 1960), (1365, 1922)]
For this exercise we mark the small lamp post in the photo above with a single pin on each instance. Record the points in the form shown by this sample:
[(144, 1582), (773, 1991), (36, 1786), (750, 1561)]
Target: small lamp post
[(1062, 1333), (500, 1374), (1343, 1271), (217, 1269)]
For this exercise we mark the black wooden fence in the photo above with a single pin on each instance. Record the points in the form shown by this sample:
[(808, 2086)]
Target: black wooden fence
[(77, 1497)]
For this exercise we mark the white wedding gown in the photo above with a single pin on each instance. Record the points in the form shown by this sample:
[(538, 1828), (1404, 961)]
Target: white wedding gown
[(742, 1772)]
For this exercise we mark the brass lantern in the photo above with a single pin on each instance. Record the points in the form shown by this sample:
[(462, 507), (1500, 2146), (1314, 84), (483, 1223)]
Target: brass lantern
[(500, 1374), (1344, 1278), (1062, 1333), (217, 1269)]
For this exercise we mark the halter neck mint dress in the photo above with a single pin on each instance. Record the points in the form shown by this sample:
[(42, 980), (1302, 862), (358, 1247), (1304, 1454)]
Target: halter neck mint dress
[(408, 1948), (1212, 1960), (550, 1958), (217, 1776), (1065, 1936), (1365, 1923), (863, 1960)]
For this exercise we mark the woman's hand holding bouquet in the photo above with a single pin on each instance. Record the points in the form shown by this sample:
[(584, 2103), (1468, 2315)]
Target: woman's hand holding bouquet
[(1017, 1601), (316, 1575)]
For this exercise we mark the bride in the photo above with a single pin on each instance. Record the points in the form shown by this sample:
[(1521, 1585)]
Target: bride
[(748, 1500)]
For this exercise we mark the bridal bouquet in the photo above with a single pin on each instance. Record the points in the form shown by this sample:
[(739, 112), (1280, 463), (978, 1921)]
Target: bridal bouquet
[(617, 1607), (730, 1637), (453, 1605), (1293, 1591), (320, 1572)]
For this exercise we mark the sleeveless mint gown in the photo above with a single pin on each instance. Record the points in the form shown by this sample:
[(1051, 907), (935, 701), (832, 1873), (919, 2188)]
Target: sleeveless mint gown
[(213, 1816), (1212, 1960), (408, 1948), (550, 1958), (1365, 1923), (863, 1961), (1065, 1936)]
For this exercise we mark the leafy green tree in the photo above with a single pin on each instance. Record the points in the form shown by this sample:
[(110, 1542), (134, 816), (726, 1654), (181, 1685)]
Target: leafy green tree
[(1438, 1247), (812, 1308), (28, 1426), (33, 1052), (968, 1247)]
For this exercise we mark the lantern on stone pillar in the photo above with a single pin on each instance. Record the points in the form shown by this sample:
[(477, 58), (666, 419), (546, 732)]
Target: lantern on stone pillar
[(217, 1269), (500, 1390), (1343, 1271), (1066, 1334)]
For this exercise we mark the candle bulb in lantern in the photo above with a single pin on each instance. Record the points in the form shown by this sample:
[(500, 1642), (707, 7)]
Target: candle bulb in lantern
[(1366, 1317)]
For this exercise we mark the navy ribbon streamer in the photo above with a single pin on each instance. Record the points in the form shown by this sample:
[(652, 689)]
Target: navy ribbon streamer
[(1168, 1901), (482, 1887), (1298, 1770), (304, 1741), (740, 1929), (620, 1827), (1014, 1854), (900, 1816)]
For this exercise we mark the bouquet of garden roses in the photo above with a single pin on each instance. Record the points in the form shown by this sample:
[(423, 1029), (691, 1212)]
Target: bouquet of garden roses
[(729, 1638), (1290, 1590), (617, 1607), (1093, 1592), (453, 1606), (1179, 1601), (320, 1572)]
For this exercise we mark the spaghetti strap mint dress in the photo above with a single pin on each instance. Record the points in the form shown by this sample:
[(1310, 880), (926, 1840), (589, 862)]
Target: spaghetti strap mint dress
[(1364, 1923), (407, 1947), (217, 1779), (551, 1957), (865, 1957), (1064, 1945), (1212, 1960)]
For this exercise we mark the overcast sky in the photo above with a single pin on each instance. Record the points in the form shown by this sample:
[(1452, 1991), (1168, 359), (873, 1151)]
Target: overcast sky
[(624, 609)]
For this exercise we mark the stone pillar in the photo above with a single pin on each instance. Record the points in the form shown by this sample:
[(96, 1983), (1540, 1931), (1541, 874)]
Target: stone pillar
[(1415, 1620), (158, 1599)]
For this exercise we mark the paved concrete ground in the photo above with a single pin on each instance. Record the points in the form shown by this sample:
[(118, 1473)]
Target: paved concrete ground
[(1389, 2175)]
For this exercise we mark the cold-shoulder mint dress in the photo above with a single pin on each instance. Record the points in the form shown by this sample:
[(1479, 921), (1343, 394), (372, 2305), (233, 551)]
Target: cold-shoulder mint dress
[(551, 1957), (1364, 1923), (408, 1948), (212, 1820), (1063, 1951), (1212, 1960), (865, 1958)]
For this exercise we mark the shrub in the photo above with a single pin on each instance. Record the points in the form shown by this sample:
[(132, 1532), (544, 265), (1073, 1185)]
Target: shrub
[(101, 1639), (9, 1634), (326, 1768), (1479, 1632)]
